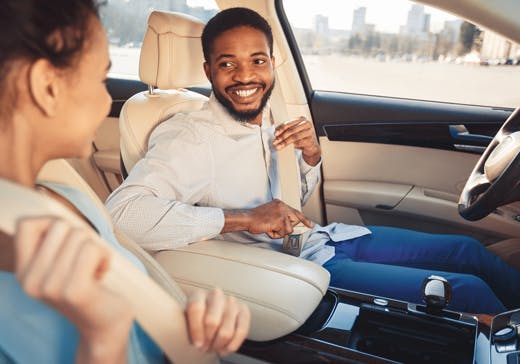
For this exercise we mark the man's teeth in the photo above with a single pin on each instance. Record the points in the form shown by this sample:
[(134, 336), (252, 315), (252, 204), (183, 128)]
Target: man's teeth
[(245, 93)]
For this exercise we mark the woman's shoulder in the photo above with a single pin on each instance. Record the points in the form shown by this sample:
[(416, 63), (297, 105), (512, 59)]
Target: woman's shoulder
[(97, 218)]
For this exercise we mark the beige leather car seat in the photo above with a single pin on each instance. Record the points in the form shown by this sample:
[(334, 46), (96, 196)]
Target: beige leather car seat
[(285, 292), (61, 172), (171, 59), (285, 289)]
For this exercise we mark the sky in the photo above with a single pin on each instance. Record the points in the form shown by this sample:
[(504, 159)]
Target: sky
[(386, 15)]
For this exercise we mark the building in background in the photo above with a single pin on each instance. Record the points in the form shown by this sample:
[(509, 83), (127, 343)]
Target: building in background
[(417, 22), (359, 24), (321, 24), (451, 30), (358, 20)]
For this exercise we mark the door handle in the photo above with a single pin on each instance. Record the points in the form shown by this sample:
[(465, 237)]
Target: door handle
[(459, 132)]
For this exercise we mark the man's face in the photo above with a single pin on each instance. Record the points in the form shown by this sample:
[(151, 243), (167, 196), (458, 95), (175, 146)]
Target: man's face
[(241, 72)]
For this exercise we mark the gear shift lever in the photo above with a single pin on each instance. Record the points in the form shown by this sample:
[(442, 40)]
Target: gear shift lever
[(436, 293)]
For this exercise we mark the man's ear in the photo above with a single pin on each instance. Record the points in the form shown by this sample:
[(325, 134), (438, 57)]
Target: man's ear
[(273, 61), (44, 85), (207, 71)]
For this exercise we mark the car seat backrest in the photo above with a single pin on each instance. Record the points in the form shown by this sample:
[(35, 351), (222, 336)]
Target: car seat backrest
[(61, 172), (171, 59)]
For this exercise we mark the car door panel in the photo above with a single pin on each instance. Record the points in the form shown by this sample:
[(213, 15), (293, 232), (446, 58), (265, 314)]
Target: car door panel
[(397, 162)]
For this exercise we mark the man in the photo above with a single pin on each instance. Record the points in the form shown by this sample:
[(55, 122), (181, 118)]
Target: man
[(212, 174)]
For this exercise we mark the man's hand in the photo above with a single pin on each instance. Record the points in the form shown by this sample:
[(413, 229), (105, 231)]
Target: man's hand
[(299, 132), (274, 218), (217, 322)]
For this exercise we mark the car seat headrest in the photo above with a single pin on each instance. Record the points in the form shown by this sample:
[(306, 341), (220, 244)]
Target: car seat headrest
[(171, 54)]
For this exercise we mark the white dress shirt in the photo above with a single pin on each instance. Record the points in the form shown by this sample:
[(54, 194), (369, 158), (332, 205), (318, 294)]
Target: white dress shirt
[(202, 162)]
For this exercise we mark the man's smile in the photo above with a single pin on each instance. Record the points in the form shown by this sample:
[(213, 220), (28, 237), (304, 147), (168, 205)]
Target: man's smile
[(244, 94)]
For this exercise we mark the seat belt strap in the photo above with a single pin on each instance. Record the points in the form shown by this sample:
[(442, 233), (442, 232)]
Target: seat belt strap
[(289, 177)]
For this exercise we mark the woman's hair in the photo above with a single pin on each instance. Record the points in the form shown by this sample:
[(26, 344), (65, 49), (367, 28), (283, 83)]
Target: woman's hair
[(232, 18), (55, 30)]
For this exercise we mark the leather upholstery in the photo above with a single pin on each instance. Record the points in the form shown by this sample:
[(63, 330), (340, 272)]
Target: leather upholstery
[(60, 171), (171, 54), (171, 59), (281, 291)]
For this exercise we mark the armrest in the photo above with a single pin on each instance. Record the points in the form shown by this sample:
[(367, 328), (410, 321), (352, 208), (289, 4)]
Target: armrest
[(281, 290)]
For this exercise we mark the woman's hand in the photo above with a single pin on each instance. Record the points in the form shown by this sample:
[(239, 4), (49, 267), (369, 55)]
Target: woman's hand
[(63, 267), (217, 322)]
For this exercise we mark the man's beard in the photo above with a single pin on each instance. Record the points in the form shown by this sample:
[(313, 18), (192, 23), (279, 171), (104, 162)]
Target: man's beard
[(244, 116)]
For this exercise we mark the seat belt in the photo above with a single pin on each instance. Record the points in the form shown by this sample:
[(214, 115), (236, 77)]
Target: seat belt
[(156, 311), (289, 177)]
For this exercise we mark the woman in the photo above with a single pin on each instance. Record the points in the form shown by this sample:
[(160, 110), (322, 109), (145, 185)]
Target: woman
[(52, 99)]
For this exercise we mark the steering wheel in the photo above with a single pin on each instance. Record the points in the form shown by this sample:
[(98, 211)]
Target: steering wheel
[(495, 179)]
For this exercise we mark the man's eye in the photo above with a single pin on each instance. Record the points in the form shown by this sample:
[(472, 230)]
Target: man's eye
[(259, 61), (226, 64)]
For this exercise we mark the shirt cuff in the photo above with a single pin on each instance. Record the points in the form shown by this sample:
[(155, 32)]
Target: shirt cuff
[(305, 168), (211, 221)]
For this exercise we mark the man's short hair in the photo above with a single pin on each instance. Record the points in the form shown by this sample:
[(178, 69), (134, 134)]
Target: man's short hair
[(229, 19)]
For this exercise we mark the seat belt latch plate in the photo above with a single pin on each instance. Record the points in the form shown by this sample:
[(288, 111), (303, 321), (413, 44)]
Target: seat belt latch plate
[(293, 243)]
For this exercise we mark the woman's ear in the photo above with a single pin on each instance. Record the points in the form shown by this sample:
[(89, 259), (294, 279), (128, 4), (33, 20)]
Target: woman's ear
[(44, 86)]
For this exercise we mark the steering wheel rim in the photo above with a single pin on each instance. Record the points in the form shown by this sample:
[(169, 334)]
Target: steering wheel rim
[(494, 181)]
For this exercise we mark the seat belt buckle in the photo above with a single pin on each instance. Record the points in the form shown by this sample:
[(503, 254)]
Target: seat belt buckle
[(293, 243)]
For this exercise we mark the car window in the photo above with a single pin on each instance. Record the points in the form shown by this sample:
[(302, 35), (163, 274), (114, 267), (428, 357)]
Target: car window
[(125, 24), (403, 49)]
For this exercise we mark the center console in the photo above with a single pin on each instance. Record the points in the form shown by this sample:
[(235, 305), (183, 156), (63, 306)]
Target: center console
[(296, 318), (398, 331), (350, 327)]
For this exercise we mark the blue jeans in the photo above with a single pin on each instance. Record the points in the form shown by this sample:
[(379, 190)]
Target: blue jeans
[(393, 263)]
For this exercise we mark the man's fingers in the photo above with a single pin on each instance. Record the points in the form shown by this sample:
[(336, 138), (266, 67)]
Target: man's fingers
[(296, 216), (288, 225), (275, 234), (288, 124), (305, 220), (298, 132)]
